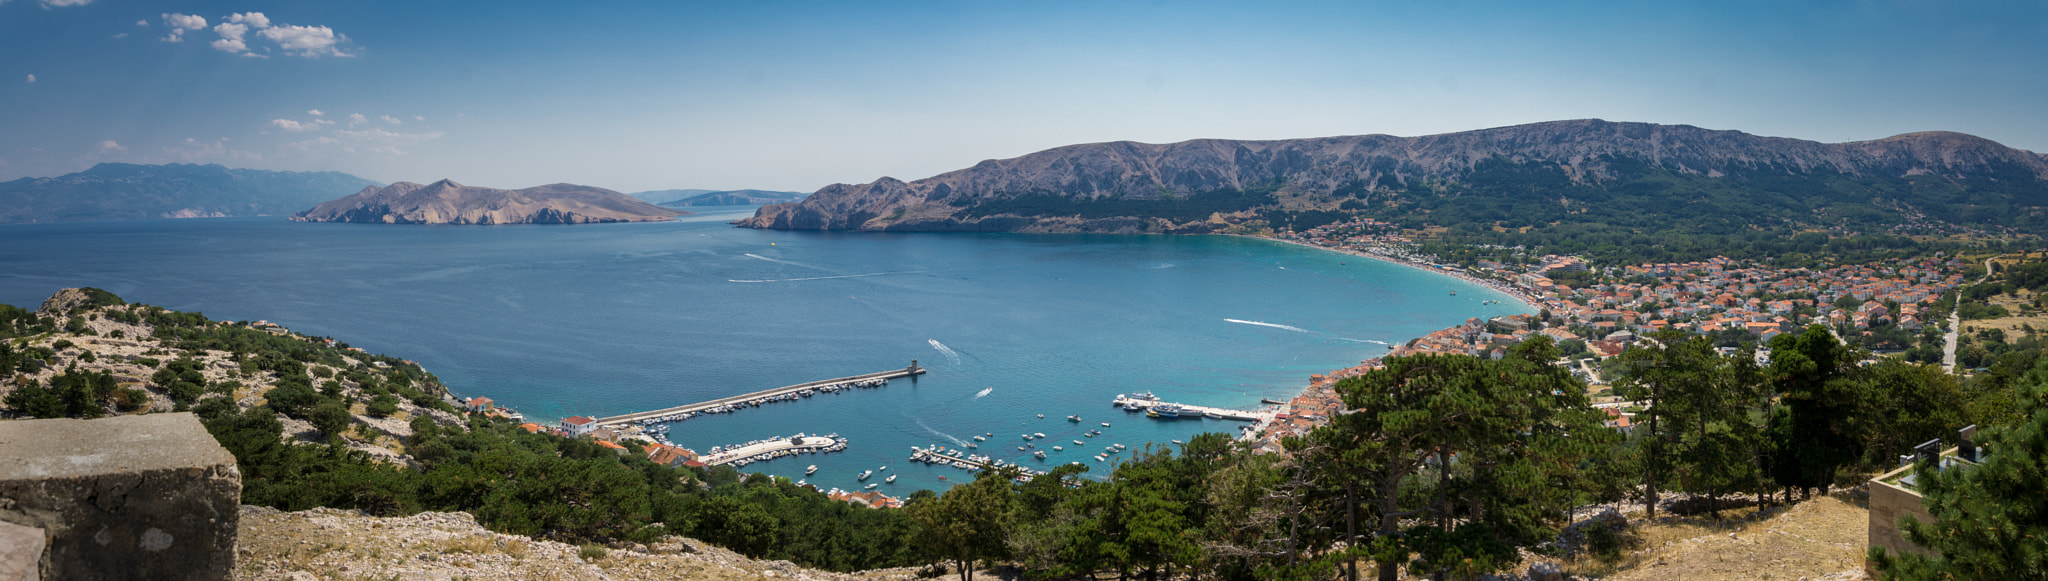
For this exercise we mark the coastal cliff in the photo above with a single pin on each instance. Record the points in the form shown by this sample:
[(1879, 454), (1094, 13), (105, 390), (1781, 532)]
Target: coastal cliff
[(1527, 175), (447, 202)]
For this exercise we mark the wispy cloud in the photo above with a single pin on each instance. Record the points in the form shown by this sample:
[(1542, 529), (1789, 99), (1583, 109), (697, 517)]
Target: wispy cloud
[(31, 78), (63, 3), (366, 142), (109, 146), (316, 112), (391, 120), (307, 41), (355, 119)]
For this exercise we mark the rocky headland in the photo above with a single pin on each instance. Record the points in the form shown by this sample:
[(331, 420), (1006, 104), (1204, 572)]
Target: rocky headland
[(447, 202)]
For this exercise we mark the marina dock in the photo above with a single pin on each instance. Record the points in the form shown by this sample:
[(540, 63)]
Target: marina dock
[(1126, 401), (751, 452), (758, 397), (971, 463)]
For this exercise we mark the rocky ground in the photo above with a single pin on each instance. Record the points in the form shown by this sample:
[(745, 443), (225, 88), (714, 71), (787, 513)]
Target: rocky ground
[(1820, 539), (132, 354), (334, 544)]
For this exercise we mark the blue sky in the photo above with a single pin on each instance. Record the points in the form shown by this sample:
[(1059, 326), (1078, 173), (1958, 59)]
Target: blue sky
[(796, 95)]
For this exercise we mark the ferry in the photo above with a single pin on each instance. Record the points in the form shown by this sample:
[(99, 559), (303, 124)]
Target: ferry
[(1164, 412), (864, 474), (891, 479), (809, 470)]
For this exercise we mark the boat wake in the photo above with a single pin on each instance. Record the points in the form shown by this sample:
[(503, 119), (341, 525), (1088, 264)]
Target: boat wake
[(948, 437), (1273, 325), (984, 392), (778, 261), (950, 354), (816, 277)]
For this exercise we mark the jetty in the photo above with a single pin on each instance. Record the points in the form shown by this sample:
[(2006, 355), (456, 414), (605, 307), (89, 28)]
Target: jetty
[(770, 449), (972, 463), (757, 398), (1131, 402)]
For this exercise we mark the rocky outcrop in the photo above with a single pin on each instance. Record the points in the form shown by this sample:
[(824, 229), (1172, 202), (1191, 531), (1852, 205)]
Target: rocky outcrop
[(447, 202), (71, 299), (1065, 189)]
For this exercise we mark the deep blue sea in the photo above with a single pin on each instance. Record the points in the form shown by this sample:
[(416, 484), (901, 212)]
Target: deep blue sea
[(605, 319)]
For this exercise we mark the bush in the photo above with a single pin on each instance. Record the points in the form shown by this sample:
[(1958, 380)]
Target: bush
[(591, 552), (382, 406), (330, 418)]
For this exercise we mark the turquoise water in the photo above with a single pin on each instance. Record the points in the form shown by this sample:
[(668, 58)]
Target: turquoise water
[(605, 319)]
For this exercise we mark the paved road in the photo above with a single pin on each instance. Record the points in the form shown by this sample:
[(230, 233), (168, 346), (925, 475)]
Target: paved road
[(1955, 324)]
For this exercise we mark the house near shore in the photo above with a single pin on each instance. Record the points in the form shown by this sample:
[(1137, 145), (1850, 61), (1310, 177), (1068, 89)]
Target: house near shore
[(578, 426)]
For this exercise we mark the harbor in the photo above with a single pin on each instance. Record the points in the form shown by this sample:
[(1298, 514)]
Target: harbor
[(755, 399), (770, 449)]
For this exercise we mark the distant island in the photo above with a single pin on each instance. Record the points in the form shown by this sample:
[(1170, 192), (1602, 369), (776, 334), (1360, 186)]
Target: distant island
[(1583, 182), (685, 198), (126, 191), (447, 202)]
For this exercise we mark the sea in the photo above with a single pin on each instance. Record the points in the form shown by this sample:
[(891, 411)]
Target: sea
[(604, 319)]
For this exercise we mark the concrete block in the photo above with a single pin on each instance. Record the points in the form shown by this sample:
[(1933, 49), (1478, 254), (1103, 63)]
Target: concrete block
[(129, 497)]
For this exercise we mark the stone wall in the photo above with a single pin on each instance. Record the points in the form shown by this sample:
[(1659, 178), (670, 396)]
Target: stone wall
[(130, 497)]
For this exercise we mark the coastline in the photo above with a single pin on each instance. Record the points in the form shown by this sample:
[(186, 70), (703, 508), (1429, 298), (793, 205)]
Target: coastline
[(1504, 288)]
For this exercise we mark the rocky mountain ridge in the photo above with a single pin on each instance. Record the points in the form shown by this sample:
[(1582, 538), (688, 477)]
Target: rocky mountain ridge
[(1123, 186), (447, 202), (733, 198), (123, 191)]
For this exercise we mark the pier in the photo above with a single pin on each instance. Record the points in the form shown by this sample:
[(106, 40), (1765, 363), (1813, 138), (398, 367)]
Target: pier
[(1130, 402), (771, 449), (973, 463), (756, 398)]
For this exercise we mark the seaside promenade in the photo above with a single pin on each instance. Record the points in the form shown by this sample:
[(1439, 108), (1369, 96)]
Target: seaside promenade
[(912, 371)]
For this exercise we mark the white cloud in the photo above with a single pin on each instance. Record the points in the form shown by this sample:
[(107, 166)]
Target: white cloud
[(390, 119), (231, 38), (255, 20), (418, 118), (109, 146), (180, 23), (60, 3), (307, 41), (290, 125), (142, 23), (315, 112), (355, 119), (323, 122), (121, 35), (31, 78)]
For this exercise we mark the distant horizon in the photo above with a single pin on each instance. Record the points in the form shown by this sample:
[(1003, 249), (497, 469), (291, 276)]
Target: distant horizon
[(702, 190), (792, 96)]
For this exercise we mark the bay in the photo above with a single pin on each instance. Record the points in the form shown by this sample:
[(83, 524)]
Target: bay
[(605, 319)]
